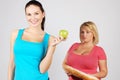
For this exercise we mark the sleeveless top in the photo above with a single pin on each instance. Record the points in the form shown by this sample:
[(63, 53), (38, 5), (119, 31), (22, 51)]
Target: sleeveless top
[(27, 57)]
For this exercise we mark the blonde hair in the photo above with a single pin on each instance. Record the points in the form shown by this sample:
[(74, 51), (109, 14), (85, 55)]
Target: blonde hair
[(93, 28)]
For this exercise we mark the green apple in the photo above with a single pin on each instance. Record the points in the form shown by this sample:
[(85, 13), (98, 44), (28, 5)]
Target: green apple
[(63, 33)]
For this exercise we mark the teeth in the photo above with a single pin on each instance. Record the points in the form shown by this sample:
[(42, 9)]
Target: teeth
[(34, 22)]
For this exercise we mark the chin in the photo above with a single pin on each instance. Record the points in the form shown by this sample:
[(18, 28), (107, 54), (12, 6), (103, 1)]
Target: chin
[(34, 25), (83, 41)]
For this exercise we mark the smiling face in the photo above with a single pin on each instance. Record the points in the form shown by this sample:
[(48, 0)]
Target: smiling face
[(86, 35), (34, 15)]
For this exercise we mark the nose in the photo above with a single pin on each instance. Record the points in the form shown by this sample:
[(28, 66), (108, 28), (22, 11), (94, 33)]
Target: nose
[(84, 34), (33, 17)]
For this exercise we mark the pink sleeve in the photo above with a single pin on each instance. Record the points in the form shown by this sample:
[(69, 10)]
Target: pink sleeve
[(101, 54), (70, 50), (72, 47)]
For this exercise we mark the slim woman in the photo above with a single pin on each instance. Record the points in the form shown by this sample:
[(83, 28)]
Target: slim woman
[(31, 48)]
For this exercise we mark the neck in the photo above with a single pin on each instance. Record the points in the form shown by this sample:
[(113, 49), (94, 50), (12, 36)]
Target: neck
[(87, 44), (35, 29)]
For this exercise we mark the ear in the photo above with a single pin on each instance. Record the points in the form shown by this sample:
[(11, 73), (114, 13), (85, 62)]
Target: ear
[(43, 14)]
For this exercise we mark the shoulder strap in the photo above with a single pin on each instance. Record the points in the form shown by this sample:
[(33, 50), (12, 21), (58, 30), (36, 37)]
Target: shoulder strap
[(45, 43), (20, 32)]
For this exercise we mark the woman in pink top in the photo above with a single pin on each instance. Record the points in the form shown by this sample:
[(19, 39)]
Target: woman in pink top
[(86, 56)]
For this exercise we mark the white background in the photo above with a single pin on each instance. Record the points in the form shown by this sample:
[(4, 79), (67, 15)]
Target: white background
[(69, 15)]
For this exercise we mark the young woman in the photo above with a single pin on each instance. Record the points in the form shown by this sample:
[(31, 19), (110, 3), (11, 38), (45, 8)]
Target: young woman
[(32, 48)]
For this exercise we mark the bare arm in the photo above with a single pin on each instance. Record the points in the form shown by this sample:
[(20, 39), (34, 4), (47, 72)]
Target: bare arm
[(46, 62), (102, 69), (11, 60), (72, 71), (64, 65)]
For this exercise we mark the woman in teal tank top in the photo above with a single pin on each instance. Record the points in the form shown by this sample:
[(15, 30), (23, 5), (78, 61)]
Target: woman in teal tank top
[(31, 48)]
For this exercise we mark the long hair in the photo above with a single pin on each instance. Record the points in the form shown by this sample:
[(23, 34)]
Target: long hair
[(36, 3)]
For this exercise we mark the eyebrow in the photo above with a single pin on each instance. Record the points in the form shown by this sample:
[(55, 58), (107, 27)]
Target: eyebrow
[(37, 11), (34, 12)]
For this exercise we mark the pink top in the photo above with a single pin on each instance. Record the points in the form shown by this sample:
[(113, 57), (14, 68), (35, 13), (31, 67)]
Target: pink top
[(86, 63)]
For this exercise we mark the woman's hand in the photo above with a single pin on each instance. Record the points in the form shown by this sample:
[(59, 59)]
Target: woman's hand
[(57, 40), (90, 77), (79, 74)]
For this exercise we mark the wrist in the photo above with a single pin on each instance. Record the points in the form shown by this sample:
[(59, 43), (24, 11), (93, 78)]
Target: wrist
[(52, 46)]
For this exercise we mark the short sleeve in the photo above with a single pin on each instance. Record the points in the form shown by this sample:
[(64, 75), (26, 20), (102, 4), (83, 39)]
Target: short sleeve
[(101, 54), (72, 47)]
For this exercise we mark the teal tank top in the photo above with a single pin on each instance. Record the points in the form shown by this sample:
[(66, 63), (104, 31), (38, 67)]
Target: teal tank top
[(27, 57)]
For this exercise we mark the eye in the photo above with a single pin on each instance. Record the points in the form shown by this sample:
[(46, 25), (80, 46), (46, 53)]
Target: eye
[(81, 32), (88, 31), (28, 14), (36, 13)]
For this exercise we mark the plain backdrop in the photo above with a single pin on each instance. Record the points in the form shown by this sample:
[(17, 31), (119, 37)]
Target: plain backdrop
[(69, 15)]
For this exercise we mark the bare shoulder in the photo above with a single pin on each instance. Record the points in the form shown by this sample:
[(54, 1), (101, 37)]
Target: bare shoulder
[(51, 38), (14, 33)]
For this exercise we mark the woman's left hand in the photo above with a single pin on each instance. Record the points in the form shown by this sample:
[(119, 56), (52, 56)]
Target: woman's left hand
[(57, 40)]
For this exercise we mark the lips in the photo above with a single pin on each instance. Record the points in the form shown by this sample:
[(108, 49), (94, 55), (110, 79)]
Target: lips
[(34, 22)]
